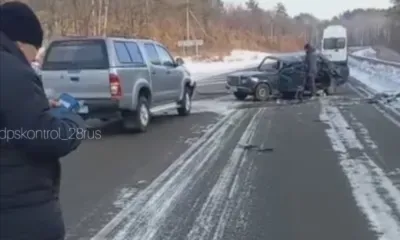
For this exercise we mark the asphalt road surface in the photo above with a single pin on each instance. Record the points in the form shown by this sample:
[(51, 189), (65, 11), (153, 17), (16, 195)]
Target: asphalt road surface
[(327, 169)]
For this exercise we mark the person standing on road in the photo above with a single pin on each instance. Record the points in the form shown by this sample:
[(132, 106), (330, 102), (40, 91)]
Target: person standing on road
[(311, 68), (34, 134)]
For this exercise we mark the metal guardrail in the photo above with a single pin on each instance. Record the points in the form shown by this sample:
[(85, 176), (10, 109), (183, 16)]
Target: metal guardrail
[(376, 61), (355, 49)]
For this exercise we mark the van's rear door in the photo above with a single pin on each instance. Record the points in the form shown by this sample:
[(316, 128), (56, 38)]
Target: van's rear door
[(78, 67), (335, 49)]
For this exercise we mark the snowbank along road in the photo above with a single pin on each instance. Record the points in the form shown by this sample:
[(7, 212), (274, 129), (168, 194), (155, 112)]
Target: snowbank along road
[(325, 169)]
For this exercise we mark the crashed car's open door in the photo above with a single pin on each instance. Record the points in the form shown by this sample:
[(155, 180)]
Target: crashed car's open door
[(329, 76), (291, 77)]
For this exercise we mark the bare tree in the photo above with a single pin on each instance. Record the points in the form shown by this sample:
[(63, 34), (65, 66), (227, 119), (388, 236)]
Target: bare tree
[(221, 27)]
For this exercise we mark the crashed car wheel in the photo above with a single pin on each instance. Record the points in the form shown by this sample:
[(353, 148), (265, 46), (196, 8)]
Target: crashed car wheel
[(262, 92), (240, 95)]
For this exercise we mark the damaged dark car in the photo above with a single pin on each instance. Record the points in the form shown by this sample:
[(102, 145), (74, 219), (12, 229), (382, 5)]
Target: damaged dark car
[(277, 76)]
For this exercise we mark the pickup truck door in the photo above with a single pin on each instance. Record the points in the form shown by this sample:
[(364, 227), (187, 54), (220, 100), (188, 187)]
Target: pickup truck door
[(174, 77), (158, 73)]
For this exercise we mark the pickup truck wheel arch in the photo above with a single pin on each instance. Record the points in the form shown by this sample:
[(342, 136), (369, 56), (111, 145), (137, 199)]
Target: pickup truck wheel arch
[(189, 87), (145, 92), (141, 86)]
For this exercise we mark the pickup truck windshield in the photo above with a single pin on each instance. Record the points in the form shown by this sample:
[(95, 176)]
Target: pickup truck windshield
[(334, 43), (76, 54)]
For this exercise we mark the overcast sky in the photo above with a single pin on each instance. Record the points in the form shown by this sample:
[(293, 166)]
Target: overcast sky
[(323, 9)]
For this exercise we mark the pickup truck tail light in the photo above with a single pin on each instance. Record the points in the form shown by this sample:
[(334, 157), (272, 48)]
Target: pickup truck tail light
[(115, 86)]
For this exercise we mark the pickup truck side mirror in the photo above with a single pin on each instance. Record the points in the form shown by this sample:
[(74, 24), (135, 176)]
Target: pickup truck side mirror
[(179, 61)]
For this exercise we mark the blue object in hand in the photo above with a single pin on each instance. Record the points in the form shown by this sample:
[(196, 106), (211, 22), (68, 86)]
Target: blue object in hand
[(59, 112), (69, 102)]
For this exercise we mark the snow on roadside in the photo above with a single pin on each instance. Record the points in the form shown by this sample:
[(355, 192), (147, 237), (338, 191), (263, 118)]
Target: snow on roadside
[(379, 78), (367, 52), (237, 60)]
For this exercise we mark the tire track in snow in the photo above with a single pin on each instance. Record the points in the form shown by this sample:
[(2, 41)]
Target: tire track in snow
[(367, 140), (143, 217), (364, 132), (374, 193), (211, 221)]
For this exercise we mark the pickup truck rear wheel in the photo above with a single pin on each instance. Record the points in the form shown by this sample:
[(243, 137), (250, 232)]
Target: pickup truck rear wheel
[(240, 95), (186, 103), (140, 119), (262, 92)]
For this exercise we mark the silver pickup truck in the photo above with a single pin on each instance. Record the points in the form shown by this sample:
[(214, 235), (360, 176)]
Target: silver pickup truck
[(117, 77)]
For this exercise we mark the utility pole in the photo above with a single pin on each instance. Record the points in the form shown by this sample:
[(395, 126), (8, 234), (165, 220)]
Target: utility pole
[(187, 21), (147, 13)]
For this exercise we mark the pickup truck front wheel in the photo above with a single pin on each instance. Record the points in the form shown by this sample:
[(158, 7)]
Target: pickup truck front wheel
[(186, 103)]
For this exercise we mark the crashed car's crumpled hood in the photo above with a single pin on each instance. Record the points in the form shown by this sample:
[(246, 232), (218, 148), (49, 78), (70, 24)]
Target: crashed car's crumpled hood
[(250, 74)]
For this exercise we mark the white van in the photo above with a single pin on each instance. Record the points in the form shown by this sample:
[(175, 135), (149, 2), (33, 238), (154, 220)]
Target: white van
[(334, 43), (334, 47)]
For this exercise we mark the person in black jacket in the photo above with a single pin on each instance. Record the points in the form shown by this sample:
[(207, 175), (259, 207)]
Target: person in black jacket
[(34, 134), (311, 68)]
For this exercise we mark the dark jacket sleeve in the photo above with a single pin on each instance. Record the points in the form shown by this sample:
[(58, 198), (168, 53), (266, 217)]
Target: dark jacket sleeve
[(27, 119)]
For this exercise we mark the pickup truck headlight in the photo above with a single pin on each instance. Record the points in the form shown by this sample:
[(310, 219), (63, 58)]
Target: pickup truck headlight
[(254, 79)]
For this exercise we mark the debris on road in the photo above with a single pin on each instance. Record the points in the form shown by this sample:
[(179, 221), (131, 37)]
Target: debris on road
[(384, 97), (256, 147)]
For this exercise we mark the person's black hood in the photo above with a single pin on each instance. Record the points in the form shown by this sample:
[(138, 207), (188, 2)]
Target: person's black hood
[(19, 22), (9, 46)]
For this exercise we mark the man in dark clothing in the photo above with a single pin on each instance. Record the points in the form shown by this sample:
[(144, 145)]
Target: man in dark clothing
[(311, 68), (34, 134)]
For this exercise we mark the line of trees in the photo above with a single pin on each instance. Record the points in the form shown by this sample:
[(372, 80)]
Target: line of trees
[(371, 27), (394, 14), (222, 27)]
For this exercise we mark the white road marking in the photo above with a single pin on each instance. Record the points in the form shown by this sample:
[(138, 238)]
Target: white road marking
[(142, 217), (375, 194), (225, 188)]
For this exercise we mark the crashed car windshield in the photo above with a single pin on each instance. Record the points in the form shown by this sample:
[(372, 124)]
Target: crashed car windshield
[(269, 64)]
